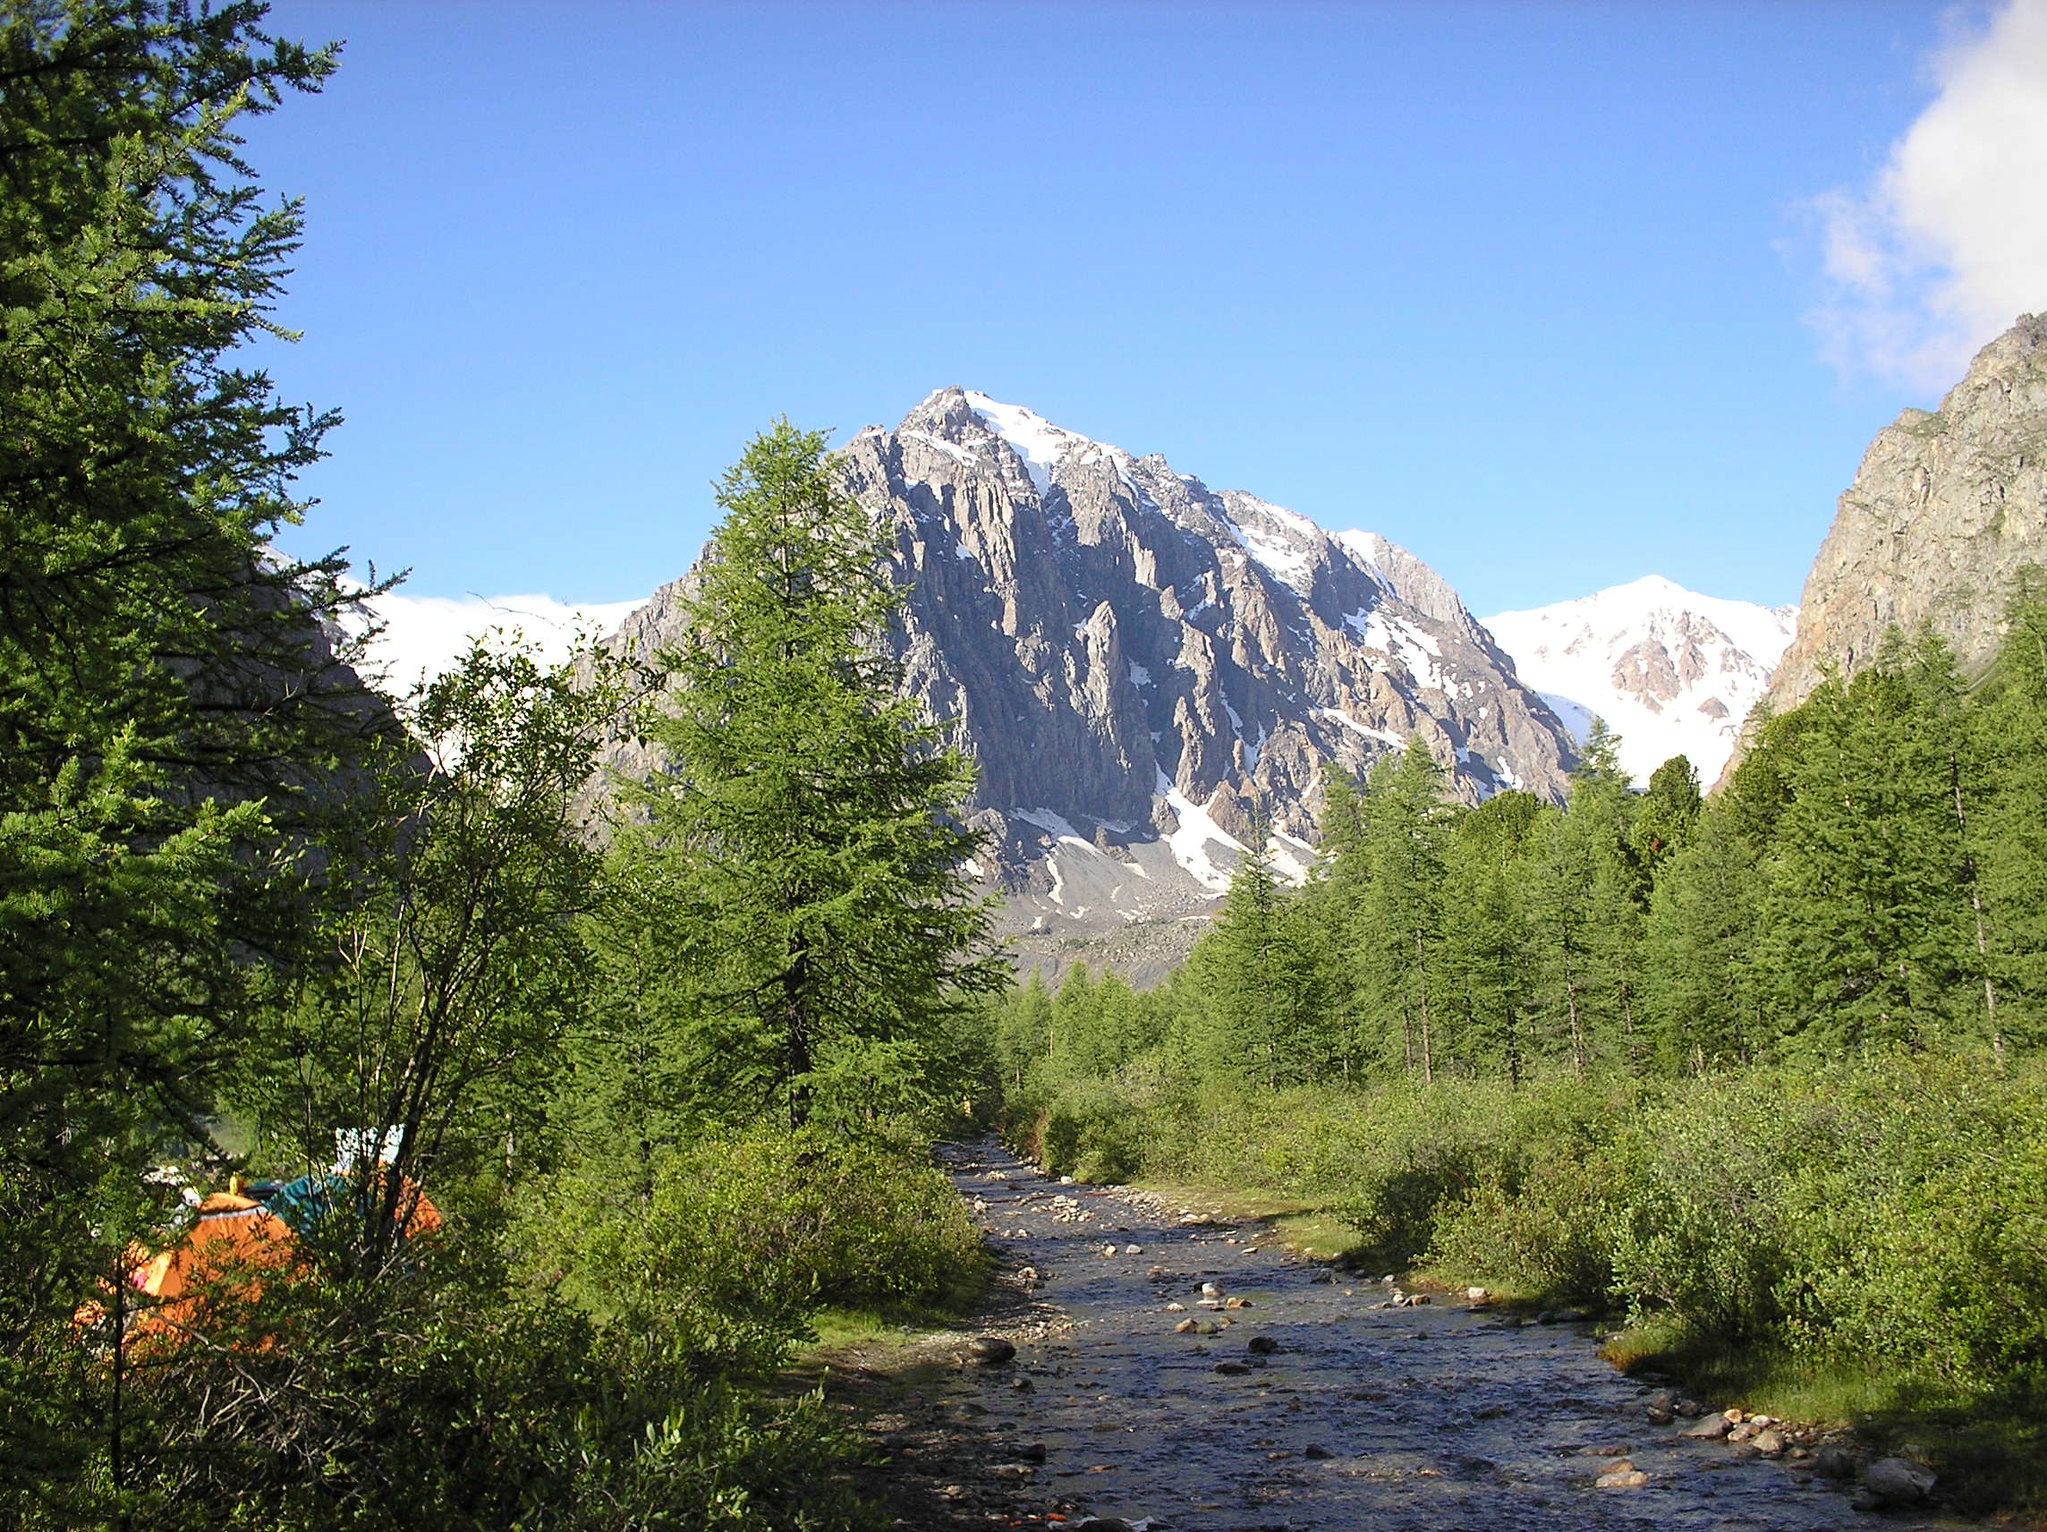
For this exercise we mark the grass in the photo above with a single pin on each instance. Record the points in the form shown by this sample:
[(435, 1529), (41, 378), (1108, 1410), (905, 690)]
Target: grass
[(1304, 1225)]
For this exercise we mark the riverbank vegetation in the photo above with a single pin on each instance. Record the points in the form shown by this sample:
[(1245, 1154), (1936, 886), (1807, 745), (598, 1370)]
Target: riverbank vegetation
[(391, 1133), (1758, 1073)]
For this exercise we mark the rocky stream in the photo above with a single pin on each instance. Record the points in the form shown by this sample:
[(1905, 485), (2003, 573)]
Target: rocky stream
[(1173, 1372)]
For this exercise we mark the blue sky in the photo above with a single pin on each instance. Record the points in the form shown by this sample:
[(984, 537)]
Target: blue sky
[(1550, 293)]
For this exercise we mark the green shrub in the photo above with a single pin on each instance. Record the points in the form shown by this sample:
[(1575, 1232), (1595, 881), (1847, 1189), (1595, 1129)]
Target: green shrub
[(746, 1234)]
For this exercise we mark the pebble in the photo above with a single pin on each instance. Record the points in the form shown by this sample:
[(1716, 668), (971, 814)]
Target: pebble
[(1623, 1475), (1236, 1303), (1187, 1327), (1210, 1290), (1176, 1308)]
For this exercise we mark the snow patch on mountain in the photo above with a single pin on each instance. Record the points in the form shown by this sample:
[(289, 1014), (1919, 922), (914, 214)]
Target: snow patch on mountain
[(1037, 441), (426, 636), (1671, 671)]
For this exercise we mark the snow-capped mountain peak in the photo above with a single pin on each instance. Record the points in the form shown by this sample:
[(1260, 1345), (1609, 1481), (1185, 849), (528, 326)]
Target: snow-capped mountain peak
[(1671, 671), (1041, 445)]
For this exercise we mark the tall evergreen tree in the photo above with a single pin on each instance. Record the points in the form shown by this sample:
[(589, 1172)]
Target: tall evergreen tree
[(1585, 911), (1485, 940), (157, 662), (1868, 929), (1701, 985), (1260, 1024), (1401, 913), (810, 816), (2009, 838)]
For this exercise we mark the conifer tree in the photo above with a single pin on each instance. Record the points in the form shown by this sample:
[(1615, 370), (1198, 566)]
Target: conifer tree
[(1261, 1019), (168, 704), (1485, 941), (1585, 914), (2009, 839), (1867, 934), (810, 817), (1401, 913), (1701, 998)]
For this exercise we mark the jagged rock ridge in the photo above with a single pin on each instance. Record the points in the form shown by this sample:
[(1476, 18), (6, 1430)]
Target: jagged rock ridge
[(1948, 505), (1147, 668), (1671, 671)]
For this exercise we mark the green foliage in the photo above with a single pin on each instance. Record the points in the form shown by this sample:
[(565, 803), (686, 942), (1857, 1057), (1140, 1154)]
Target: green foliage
[(815, 917), (745, 1234)]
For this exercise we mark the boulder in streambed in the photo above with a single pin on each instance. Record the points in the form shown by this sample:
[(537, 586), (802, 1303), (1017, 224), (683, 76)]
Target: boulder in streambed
[(1711, 1428), (1897, 1482), (990, 1350), (1261, 1345)]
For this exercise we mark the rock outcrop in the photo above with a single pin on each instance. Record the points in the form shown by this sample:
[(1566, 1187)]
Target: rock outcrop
[(1146, 668), (1946, 508)]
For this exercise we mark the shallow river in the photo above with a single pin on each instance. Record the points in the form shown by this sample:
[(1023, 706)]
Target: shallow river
[(1440, 1418)]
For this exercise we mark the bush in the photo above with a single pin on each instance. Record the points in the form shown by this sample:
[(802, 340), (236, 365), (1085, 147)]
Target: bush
[(746, 1234)]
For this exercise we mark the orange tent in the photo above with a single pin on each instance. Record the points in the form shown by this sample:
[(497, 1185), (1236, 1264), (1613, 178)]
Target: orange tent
[(235, 1237), (234, 1240)]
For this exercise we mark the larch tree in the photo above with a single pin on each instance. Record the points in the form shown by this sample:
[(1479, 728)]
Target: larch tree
[(810, 818)]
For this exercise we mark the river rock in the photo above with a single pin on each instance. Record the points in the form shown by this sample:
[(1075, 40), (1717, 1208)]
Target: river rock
[(1617, 1478), (1034, 1453), (1834, 1461), (1210, 1290), (1316, 1452), (1232, 1369), (1323, 1274), (1261, 1345), (1176, 1308), (1236, 1303), (1895, 1481), (1768, 1443), (990, 1350), (1187, 1327), (1709, 1428)]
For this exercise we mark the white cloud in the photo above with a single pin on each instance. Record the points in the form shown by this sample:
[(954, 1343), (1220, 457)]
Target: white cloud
[(1947, 245), (424, 635)]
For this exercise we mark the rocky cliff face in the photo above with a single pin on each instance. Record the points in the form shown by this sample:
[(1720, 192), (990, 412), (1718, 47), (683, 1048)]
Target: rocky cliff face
[(1146, 668), (1671, 671), (1946, 508)]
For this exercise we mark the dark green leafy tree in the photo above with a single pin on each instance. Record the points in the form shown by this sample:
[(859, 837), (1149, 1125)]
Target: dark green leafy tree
[(825, 939), (458, 969)]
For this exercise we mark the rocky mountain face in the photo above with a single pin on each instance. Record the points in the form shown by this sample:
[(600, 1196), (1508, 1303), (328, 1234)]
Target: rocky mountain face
[(1672, 672), (1946, 508), (1147, 668)]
